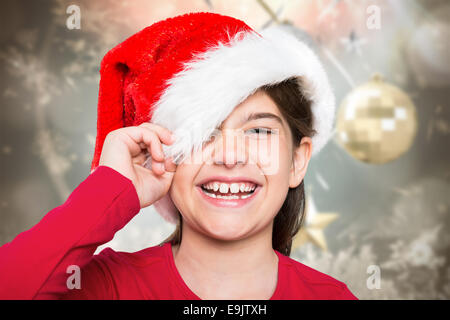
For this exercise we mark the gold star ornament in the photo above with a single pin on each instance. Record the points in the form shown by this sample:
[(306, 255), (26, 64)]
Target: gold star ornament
[(313, 229)]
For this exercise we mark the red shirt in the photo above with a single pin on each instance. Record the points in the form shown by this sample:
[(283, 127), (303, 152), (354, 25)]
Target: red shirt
[(35, 264)]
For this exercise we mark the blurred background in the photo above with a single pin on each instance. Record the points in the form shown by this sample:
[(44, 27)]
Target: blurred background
[(377, 195)]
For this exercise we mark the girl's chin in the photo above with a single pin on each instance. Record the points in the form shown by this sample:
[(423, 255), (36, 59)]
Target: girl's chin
[(225, 230), (225, 236)]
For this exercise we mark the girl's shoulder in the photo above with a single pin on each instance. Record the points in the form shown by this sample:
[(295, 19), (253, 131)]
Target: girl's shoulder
[(144, 257), (311, 280)]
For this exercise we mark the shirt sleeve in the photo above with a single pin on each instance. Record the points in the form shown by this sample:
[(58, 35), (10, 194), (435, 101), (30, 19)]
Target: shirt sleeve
[(38, 262), (346, 294), (96, 283)]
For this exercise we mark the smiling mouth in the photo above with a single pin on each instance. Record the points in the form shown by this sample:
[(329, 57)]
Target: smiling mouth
[(229, 199), (228, 192), (228, 195)]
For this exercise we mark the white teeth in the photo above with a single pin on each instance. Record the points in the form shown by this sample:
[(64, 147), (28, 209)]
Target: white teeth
[(227, 197), (223, 188), (248, 188), (212, 195), (234, 188)]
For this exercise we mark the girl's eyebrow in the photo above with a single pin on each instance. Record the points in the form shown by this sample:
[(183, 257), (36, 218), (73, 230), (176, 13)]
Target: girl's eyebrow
[(262, 115), (258, 115)]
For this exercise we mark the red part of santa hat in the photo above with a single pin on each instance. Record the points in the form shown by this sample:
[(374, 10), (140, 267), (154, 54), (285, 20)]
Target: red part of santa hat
[(187, 73)]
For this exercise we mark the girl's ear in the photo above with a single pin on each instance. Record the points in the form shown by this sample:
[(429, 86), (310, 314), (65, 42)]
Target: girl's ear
[(300, 160)]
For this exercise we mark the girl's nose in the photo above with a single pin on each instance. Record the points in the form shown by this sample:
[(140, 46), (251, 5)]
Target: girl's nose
[(230, 148)]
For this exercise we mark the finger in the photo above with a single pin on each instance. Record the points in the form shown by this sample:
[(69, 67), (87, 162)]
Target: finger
[(170, 165), (158, 167), (154, 145), (122, 135), (142, 135), (164, 134)]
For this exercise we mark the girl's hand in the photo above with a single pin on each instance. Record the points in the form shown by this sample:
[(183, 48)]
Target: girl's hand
[(125, 150)]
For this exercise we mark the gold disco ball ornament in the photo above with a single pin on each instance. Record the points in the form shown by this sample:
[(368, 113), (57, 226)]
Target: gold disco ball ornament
[(376, 122)]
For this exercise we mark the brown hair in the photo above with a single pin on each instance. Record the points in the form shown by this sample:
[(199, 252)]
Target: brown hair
[(296, 109)]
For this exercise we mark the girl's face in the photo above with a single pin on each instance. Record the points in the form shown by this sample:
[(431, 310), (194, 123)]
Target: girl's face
[(254, 150)]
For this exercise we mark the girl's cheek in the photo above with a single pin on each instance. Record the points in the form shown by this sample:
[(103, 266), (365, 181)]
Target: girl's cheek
[(267, 154)]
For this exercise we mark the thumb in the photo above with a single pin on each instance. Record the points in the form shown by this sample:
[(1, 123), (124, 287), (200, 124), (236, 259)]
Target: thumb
[(170, 165)]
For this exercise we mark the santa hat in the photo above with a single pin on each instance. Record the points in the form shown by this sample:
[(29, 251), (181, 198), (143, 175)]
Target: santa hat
[(187, 73)]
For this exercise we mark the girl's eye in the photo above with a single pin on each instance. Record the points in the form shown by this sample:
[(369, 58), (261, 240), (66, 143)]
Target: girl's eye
[(260, 131)]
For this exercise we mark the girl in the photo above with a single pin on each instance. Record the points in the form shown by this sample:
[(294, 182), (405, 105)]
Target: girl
[(237, 196)]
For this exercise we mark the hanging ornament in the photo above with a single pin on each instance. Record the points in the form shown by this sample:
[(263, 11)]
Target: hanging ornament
[(376, 122), (315, 224)]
